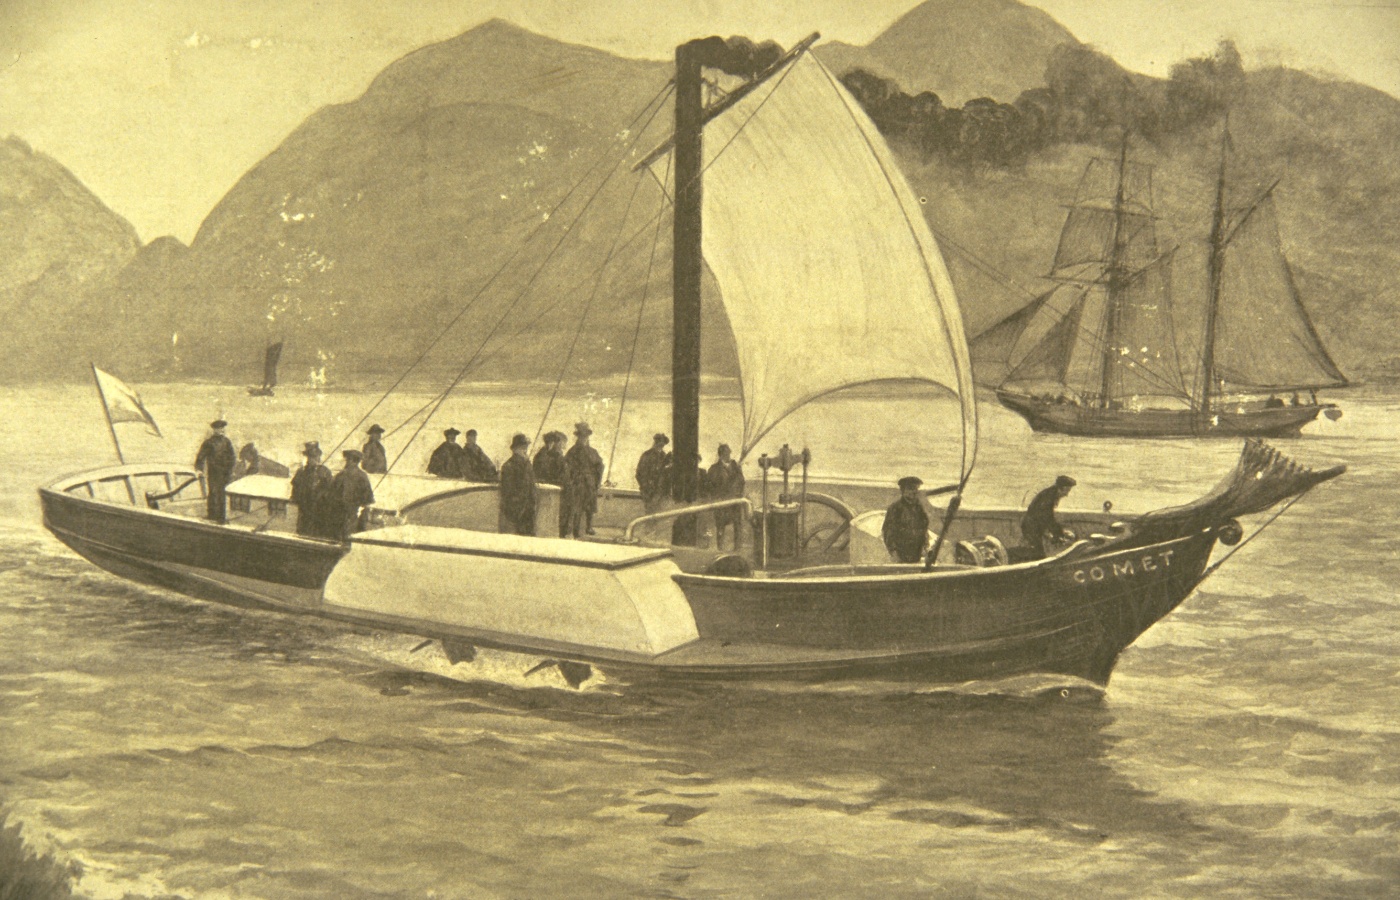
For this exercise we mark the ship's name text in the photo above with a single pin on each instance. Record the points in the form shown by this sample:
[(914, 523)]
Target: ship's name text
[(1125, 568)]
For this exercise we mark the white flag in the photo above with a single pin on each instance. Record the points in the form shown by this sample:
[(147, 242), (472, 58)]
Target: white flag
[(123, 405)]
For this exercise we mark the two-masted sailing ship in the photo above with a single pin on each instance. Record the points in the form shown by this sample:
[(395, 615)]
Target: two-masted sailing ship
[(804, 218), (1099, 353)]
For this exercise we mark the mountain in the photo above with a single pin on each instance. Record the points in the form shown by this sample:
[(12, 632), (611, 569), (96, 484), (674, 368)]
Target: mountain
[(58, 242), (423, 207), (378, 221), (959, 49)]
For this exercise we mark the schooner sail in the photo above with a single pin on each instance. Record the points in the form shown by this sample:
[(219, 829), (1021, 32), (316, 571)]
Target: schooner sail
[(1098, 355)]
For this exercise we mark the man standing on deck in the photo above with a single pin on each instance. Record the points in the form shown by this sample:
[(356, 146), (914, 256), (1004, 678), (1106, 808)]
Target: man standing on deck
[(583, 473), (725, 481), (446, 461), (476, 465), (351, 491), (549, 462), (518, 490), (654, 474), (309, 485), (376, 461), (1038, 526), (906, 523), (216, 460)]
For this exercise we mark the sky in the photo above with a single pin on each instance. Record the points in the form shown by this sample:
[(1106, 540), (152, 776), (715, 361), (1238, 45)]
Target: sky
[(160, 106)]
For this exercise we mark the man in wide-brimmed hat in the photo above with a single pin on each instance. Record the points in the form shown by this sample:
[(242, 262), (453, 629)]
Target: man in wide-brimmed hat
[(583, 474), (216, 459), (518, 490), (1039, 527), (906, 523), (309, 486), (446, 461), (351, 490), (654, 474), (376, 461)]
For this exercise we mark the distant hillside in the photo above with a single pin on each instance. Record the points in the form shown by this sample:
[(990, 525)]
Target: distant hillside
[(959, 49), (57, 242), (377, 222)]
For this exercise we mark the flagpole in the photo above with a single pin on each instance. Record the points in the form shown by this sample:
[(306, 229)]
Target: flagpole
[(106, 411)]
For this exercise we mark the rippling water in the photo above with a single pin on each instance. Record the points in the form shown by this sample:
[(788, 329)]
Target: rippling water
[(1247, 746)]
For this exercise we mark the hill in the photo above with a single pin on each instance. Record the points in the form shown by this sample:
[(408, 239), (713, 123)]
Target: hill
[(381, 222), (959, 49), (57, 243)]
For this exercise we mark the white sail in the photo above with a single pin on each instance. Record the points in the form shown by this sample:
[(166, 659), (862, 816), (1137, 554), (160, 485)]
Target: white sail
[(828, 271)]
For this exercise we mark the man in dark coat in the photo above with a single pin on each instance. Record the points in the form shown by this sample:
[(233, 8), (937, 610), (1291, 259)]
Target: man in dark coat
[(477, 466), (583, 474), (216, 460), (906, 523), (309, 485), (1038, 525), (549, 462), (351, 490), (446, 461), (654, 474), (518, 490), (376, 460), (725, 481)]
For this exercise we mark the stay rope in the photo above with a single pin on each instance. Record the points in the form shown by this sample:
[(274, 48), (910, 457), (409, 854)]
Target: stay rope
[(658, 99), (436, 405), (637, 331)]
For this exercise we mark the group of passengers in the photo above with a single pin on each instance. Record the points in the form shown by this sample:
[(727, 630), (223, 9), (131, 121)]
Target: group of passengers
[(328, 506), (722, 481)]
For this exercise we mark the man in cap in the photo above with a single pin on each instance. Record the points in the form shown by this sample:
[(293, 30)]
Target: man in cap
[(725, 481), (446, 461), (654, 474), (351, 490), (376, 461), (1038, 526), (518, 490), (906, 523), (216, 460), (583, 473), (309, 485), (476, 465), (549, 462)]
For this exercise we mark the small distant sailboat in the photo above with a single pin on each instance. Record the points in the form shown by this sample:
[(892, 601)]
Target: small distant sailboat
[(270, 360), (1098, 356)]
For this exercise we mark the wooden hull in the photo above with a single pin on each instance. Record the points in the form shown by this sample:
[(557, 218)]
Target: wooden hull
[(1066, 418), (1072, 614)]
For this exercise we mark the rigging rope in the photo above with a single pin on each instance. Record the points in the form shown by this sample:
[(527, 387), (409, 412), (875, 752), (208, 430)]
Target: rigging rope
[(659, 98), (587, 306), (568, 230), (637, 331)]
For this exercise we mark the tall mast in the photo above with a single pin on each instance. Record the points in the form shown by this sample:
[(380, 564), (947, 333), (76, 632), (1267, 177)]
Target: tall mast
[(1115, 281), (688, 264), (1216, 269)]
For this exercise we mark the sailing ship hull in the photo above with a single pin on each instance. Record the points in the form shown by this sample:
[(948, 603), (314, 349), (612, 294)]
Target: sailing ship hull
[(1081, 421), (631, 611)]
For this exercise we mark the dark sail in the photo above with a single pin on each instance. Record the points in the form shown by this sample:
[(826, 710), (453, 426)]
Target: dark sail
[(1103, 230), (1265, 340), (274, 355), (1145, 355)]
